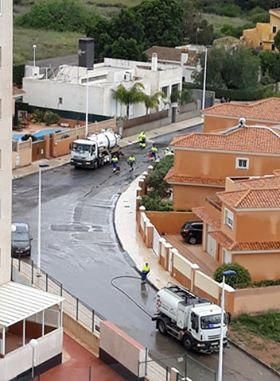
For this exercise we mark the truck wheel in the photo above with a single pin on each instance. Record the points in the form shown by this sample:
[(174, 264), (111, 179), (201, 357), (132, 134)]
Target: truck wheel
[(162, 327), (187, 342)]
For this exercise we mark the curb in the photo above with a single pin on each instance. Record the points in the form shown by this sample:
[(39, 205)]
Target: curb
[(238, 346), (36, 170)]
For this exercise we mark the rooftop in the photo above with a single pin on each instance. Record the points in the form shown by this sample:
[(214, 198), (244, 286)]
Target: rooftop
[(252, 198), (165, 53), (247, 139), (18, 302), (172, 177), (264, 110), (263, 182), (275, 12), (227, 243)]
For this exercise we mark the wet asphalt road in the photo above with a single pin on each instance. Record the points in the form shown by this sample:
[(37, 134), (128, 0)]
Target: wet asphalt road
[(80, 249)]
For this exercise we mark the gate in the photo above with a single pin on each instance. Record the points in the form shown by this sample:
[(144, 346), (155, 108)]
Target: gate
[(38, 150)]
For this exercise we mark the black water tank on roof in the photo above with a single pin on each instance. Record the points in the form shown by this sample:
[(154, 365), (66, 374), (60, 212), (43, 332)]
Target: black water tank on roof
[(86, 52)]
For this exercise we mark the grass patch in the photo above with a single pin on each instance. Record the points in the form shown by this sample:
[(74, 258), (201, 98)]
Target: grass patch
[(49, 44), (266, 325), (219, 21)]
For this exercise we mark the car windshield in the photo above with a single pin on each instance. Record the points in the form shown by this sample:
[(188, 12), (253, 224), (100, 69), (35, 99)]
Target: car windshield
[(210, 322), (81, 147), (20, 236)]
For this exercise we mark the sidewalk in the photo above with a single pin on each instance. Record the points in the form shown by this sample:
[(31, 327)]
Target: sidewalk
[(57, 162), (131, 241), (76, 364)]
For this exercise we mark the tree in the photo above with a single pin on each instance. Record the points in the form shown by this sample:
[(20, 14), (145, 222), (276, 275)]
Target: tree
[(127, 49), (59, 15), (270, 65), (277, 40), (152, 101), (162, 21), (242, 277), (129, 96), (236, 68)]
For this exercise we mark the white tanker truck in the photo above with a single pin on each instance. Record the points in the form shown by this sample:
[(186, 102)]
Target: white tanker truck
[(94, 151), (194, 321)]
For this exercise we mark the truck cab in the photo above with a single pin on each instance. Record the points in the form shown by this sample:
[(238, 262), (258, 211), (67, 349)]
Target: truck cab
[(85, 153)]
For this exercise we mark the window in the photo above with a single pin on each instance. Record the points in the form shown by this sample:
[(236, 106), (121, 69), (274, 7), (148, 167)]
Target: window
[(272, 47), (242, 163), (274, 29), (60, 100), (229, 218)]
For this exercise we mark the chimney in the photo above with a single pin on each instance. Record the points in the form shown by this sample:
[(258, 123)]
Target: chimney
[(86, 52), (154, 62)]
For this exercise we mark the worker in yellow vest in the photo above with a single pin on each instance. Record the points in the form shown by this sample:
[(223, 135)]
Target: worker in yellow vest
[(145, 271)]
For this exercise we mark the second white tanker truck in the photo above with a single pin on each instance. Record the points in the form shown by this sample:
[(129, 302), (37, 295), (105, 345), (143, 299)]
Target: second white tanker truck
[(95, 151), (194, 321)]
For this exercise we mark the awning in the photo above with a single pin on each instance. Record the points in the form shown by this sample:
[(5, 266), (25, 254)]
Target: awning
[(19, 302)]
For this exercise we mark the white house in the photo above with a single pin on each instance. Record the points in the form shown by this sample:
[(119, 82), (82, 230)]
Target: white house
[(66, 88)]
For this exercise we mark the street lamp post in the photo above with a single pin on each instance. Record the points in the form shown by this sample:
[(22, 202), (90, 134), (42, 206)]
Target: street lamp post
[(34, 55), (204, 79), (39, 218), (87, 101), (221, 348), (33, 343)]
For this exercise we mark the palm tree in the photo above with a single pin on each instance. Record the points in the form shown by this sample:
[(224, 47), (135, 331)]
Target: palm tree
[(129, 96), (152, 101)]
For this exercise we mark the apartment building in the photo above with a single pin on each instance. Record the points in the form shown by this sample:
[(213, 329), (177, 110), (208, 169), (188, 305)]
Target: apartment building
[(265, 112), (242, 224), (203, 161), (5, 137), (26, 313)]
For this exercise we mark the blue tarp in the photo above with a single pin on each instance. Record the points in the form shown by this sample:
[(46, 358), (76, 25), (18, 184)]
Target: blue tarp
[(39, 134)]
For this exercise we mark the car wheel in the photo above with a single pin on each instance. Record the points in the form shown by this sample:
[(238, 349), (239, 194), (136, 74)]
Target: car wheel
[(192, 240), (162, 327), (187, 342)]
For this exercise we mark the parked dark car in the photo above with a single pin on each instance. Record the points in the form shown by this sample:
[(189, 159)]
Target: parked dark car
[(21, 239), (191, 231)]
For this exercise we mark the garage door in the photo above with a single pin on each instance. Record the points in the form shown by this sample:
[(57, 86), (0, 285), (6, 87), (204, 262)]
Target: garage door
[(211, 246)]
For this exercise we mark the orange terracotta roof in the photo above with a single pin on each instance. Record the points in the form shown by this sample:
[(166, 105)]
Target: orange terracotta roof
[(265, 182), (227, 243), (252, 198), (172, 177), (207, 217), (266, 109), (164, 53), (247, 139)]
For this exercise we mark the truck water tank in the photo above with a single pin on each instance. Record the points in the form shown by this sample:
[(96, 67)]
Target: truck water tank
[(107, 139), (168, 303)]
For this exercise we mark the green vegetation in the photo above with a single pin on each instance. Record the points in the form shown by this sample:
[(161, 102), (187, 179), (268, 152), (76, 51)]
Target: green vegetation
[(48, 117), (242, 277), (158, 187), (49, 44), (266, 325), (129, 96)]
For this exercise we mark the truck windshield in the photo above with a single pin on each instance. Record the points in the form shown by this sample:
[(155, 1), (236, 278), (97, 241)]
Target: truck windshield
[(81, 147), (210, 322)]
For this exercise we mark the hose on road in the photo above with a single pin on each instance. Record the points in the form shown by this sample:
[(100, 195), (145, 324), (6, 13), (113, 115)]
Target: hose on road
[(126, 294)]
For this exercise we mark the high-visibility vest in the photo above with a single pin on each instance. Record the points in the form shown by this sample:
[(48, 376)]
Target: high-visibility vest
[(131, 159), (154, 149), (115, 159), (146, 268)]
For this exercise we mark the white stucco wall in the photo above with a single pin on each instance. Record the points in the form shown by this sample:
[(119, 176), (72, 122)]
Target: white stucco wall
[(5, 139), (46, 93), (20, 360)]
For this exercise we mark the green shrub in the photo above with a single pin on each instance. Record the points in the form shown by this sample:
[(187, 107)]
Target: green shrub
[(37, 116), (155, 180), (155, 203), (50, 118), (266, 283), (242, 278)]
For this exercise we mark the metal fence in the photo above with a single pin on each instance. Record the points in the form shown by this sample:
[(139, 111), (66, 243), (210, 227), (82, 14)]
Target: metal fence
[(179, 368), (27, 272)]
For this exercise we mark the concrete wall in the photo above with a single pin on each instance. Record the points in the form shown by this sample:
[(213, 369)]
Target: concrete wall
[(170, 222), (6, 45), (253, 300), (20, 360), (260, 265), (146, 126), (116, 347), (186, 197), (22, 156)]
